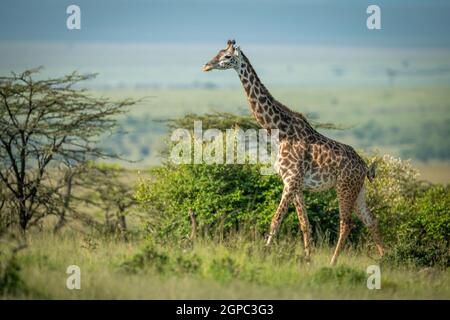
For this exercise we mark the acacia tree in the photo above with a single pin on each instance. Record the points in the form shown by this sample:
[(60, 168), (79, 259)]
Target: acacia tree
[(46, 125), (107, 189), (98, 184)]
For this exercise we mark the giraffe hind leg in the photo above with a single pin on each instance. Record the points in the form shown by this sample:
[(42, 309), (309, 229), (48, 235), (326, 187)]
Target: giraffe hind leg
[(369, 220), (347, 195)]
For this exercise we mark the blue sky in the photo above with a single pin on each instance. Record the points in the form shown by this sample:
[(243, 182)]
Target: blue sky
[(405, 23)]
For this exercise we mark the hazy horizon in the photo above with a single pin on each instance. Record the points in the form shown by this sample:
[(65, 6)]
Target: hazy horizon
[(139, 44), (142, 65)]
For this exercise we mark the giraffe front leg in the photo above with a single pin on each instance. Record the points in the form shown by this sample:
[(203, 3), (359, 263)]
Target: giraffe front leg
[(304, 224), (286, 199)]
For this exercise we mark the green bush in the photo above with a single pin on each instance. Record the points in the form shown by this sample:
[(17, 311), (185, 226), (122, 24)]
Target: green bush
[(339, 275), (162, 261), (10, 280), (151, 257), (226, 199), (423, 239), (224, 269), (392, 194), (431, 220)]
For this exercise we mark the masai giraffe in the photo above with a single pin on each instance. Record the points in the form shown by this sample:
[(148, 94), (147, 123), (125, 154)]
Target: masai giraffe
[(307, 160)]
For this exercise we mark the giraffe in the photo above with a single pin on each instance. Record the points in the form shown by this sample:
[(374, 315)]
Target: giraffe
[(307, 160)]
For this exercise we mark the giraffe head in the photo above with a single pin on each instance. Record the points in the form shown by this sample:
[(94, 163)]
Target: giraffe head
[(228, 58)]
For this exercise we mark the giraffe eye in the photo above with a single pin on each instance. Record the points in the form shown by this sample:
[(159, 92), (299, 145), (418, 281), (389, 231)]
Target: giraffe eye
[(227, 56)]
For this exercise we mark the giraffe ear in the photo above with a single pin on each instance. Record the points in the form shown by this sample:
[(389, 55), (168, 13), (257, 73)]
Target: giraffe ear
[(230, 44), (237, 51)]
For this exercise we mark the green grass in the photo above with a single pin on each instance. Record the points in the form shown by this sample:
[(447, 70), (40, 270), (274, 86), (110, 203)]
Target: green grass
[(235, 269), (239, 268)]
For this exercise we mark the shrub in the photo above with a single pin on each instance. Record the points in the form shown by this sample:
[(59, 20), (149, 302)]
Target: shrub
[(391, 195), (149, 256), (431, 220), (228, 198), (162, 261), (187, 263), (423, 239), (225, 199), (224, 269), (10, 280), (339, 275)]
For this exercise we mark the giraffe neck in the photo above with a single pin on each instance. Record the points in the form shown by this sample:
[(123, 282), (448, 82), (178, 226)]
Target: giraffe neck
[(269, 113)]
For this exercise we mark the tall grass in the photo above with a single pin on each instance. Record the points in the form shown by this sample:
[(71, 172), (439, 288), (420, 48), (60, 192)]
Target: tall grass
[(237, 268)]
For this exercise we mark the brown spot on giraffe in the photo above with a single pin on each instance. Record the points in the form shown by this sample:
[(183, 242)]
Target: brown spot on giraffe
[(307, 160)]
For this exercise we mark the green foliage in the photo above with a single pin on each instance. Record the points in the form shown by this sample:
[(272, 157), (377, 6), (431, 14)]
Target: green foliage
[(225, 199), (162, 261), (423, 239), (10, 280), (339, 275), (187, 263), (391, 195), (431, 221), (411, 249), (221, 196), (414, 217), (227, 120), (217, 120), (149, 256), (224, 269), (235, 197)]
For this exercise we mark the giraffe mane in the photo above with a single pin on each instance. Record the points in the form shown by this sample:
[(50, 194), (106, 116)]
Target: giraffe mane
[(278, 104)]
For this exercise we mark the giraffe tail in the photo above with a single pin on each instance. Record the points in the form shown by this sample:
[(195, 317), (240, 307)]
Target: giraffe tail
[(371, 171)]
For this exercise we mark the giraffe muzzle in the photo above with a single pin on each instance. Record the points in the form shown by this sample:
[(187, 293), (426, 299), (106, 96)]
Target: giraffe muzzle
[(207, 67)]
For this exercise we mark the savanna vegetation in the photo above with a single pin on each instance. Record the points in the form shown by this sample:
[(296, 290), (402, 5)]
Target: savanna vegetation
[(188, 231)]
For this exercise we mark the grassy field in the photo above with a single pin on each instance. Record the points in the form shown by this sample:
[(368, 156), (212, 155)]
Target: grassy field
[(397, 119), (236, 269)]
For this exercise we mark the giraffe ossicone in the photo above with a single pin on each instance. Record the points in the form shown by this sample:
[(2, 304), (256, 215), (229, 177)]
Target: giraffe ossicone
[(307, 160)]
